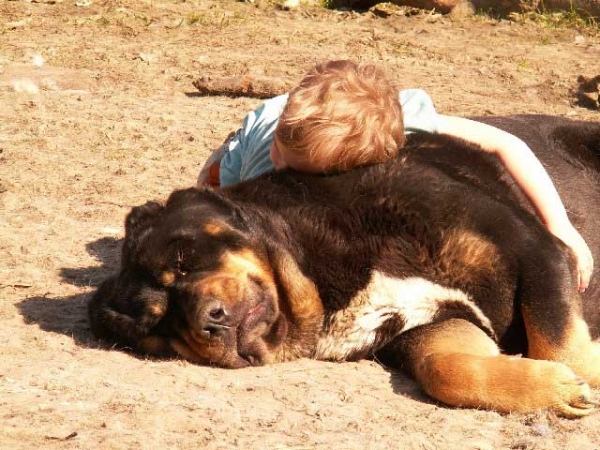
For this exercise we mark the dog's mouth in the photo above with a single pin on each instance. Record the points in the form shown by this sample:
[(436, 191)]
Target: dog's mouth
[(253, 317), (260, 333), (250, 336)]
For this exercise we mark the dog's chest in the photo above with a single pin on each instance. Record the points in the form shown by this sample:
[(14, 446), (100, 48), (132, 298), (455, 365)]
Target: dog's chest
[(386, 307)]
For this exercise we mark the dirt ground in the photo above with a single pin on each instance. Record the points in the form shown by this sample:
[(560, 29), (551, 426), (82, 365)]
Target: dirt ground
[(98, 114)]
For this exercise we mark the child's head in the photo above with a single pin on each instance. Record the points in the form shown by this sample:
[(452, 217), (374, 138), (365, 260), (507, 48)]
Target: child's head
[(341, 115)]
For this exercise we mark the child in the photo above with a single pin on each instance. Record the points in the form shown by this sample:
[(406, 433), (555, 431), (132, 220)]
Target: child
[(343, 115)]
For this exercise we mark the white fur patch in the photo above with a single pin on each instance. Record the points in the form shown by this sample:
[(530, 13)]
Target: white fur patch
[(415, 301)]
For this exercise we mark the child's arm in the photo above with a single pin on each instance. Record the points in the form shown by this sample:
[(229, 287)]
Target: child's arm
[(533, 179), (209, 174), (245, 154)]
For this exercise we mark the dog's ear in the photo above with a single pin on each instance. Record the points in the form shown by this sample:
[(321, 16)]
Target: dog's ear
[(141, 217), (300, 302), (187, 196), (138, 222), (127, 313)]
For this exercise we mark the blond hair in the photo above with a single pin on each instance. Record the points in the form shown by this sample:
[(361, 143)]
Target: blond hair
[(341, 115)]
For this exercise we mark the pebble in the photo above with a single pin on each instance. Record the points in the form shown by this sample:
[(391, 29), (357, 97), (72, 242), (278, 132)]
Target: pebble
[(540, 429)]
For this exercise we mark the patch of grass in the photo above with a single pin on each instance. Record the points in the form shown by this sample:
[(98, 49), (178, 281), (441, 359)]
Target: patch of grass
[(487, 13), (354, 4), (405, 49), (193, 18), (147, 21), (329, 4), (217, 19), (571, 18), (523, 65)]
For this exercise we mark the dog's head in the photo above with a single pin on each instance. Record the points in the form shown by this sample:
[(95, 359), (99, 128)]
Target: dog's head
[(242, 301)]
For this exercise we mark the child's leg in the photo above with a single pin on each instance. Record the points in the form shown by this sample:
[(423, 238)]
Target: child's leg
[(209, 174)]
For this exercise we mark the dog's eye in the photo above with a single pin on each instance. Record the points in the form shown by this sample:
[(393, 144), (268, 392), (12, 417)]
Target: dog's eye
[(181, 269), (188, 257)]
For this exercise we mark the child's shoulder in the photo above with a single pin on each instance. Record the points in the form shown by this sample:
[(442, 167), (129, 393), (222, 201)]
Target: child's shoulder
[(271, 109), (414, 96), (419, 112)]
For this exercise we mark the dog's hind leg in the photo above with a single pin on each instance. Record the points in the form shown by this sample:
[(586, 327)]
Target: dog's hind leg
[(456, 363), (553, 315), (573, 347)]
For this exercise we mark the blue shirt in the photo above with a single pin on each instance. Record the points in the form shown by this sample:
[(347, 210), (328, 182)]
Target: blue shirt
[(247, 153)]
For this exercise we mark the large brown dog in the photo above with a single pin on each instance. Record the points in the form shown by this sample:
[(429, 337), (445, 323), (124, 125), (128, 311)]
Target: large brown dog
[(434, 262)]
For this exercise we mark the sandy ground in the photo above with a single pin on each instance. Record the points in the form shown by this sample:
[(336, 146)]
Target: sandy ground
[(98, 114)]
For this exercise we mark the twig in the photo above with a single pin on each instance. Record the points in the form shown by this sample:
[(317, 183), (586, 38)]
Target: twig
[(66, 438), (244, 86)]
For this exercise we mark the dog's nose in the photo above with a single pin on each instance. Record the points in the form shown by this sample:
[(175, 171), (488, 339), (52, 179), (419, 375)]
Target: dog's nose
[(214, 319), (217, 313)]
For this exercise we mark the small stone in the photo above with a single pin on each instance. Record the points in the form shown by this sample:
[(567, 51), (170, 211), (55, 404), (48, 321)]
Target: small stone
[(25, 85), (148, 57), (290, 4), (38, 60), (540, 429)]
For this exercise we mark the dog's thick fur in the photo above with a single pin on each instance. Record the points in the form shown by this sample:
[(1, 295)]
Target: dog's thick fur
[(434, 262)]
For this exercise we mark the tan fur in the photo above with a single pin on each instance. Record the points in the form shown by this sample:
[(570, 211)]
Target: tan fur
[(167, 278), (191, 349), (458, 364), (577, 350), (466, 255), (304, 308), (303, 297), (184, 350), (158, 310), (214, 228), (229, 281), (302, 305)]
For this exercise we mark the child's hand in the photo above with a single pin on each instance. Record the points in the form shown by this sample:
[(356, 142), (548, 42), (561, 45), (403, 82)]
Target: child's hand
[(583, 256)]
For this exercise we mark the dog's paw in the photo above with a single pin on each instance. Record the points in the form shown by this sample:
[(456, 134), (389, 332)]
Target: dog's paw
[(564, 392)]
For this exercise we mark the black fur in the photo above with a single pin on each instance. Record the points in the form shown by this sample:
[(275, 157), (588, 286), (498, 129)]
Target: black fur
[(392, 218)]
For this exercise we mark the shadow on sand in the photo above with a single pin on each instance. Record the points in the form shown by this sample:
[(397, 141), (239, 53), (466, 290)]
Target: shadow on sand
[(405, 386), (68, 315)]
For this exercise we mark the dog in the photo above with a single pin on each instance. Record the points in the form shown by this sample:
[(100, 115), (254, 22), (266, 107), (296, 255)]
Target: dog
[(435, 263)]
